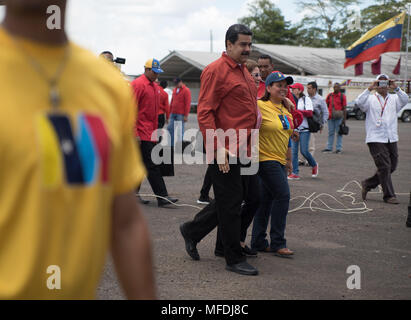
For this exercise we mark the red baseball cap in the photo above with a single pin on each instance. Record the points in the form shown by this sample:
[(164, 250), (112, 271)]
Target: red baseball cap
[(297, 86)]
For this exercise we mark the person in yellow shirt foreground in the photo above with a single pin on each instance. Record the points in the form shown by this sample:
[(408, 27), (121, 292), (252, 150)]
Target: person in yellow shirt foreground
[(69, 166), (275, 165)]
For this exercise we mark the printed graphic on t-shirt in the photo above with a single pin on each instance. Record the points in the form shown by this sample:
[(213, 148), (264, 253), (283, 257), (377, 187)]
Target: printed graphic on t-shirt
[(286, 121), (77, 158)]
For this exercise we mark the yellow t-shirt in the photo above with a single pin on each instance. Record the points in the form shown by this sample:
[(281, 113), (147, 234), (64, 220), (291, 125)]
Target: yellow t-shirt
[(274, 139), (60, 170)]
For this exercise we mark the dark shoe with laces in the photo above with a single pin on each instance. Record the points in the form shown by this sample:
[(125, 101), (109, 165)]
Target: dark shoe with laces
[(249, 252), (191, 245), (243, 268), (392, 200), (162, 202)]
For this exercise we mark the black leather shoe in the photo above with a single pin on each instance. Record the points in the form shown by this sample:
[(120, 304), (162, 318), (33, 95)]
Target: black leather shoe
[(163, 202), (191, 245), (364, 191), (243, 268), (249, 252)]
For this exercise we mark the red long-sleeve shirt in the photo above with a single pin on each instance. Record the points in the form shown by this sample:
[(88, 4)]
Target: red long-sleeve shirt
[(148, 100), (164, 105), (228, 100), (181, 101), (340, 102)]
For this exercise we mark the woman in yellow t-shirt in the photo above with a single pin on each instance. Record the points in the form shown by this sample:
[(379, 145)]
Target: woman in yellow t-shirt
[(275, 164)]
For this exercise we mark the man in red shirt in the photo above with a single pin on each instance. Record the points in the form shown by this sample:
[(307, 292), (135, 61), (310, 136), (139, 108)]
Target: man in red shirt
[(227, 101), (164, 110), (147, 95), (337, 103), (179, 108)]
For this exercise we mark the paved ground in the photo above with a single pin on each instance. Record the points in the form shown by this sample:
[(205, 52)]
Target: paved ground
[(372, 236)]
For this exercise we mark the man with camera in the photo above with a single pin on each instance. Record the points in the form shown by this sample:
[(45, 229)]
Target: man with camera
[(381, 126)]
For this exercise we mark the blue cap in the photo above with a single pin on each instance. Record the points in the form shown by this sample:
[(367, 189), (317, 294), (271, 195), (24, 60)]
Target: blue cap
[(277, 76), (154, 65)]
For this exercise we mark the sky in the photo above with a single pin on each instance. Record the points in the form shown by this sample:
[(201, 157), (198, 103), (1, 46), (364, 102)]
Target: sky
[(142, 29)]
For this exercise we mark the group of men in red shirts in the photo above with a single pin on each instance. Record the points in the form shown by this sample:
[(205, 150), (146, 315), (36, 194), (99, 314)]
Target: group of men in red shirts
[(154, 111)]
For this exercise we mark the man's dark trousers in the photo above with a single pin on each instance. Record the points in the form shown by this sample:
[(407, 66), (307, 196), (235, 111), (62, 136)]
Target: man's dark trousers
[(224, 211), (154, 176), (207, 184), (385, 156)]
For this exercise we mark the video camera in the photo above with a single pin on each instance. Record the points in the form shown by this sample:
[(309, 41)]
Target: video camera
[(119, 60)]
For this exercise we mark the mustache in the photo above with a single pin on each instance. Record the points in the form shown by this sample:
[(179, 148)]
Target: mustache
[(245, 54)]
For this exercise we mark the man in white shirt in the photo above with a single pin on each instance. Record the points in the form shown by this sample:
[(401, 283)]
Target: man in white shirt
[(381, 127)]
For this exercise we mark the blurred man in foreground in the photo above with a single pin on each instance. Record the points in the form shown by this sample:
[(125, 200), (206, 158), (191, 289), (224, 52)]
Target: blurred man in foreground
[(69, 166)]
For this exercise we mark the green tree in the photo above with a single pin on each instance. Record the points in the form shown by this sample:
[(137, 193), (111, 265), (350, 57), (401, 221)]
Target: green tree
[(268, 24), (371, 17), (321, 23)]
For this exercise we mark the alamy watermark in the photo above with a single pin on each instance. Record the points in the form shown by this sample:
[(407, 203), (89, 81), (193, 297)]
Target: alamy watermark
[(354, 281), (54, 280), (241, 145), (54, 20)]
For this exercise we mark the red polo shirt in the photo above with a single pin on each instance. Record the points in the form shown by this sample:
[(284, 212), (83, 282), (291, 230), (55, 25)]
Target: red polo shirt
[(147, 96), (164, 105), (227, 100), (181, 101), (339, 104)]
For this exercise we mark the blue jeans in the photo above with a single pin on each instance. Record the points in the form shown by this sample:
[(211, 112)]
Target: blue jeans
[(275, 200), (333, 128), (174, 119), (304, 144)]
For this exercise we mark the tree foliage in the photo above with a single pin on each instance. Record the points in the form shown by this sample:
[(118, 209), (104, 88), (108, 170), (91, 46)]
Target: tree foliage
[(324, 23), (268, 24), (322, 20)]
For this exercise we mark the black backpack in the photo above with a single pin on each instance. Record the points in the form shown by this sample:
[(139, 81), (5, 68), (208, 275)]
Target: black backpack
[(314, 123)]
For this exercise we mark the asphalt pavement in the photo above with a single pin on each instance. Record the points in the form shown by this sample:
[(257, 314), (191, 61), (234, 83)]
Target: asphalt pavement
[(329, 227)]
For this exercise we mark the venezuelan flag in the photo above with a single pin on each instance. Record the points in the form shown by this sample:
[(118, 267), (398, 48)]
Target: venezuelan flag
[(386, 37)]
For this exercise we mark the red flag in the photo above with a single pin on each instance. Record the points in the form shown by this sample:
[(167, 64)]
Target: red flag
[(397, 69), (376, 66), (359, 69)]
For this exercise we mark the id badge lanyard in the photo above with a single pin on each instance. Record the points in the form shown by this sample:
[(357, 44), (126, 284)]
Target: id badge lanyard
[(379, 120)]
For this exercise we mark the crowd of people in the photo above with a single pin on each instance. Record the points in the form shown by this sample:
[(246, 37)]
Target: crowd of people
[(286, 119), (79, 163)]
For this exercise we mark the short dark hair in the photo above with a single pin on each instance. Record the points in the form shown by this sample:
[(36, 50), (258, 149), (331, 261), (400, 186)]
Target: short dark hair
[(164, 84), (313, 84), (107, 52), (234, 31), (266, 56)]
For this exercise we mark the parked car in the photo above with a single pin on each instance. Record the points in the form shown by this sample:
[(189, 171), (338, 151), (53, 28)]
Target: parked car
[(405, 113), (354, 111)]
